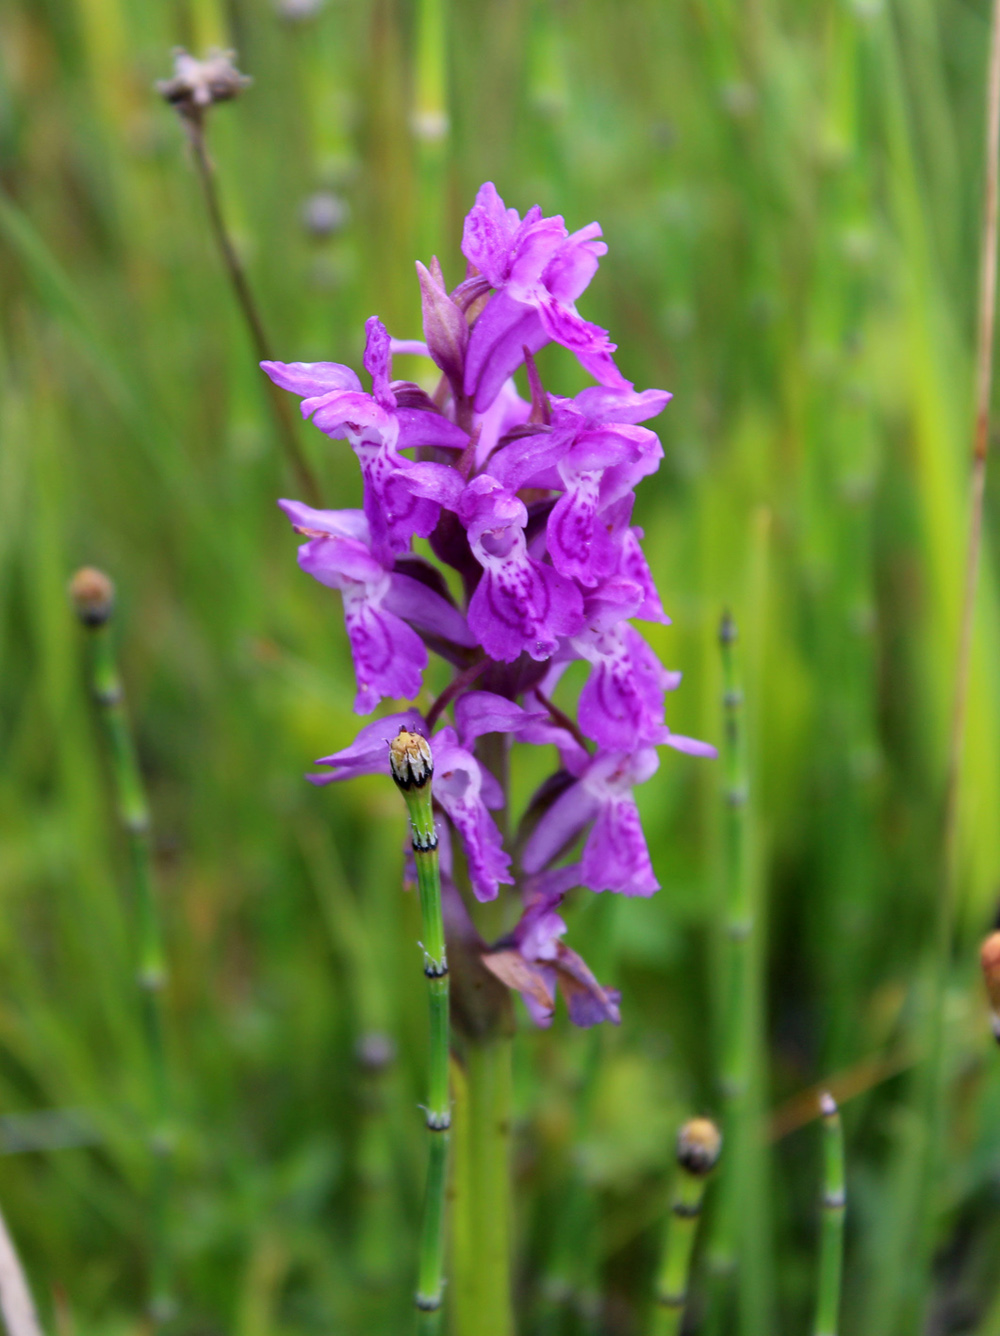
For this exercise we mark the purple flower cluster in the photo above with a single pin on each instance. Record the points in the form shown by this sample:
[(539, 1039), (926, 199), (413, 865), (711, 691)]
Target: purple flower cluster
[(530, 502)]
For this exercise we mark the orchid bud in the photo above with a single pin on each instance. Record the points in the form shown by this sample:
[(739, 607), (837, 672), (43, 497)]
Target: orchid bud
[(445, 327)]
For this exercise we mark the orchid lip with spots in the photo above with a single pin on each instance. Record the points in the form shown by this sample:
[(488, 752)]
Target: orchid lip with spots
[(529, 502)]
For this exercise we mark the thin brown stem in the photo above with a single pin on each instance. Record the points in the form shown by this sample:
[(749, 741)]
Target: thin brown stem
[(562, 719), (284, 421), (456, 685)]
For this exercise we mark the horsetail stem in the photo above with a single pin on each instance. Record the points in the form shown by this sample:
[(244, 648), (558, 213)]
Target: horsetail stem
[(412, 768), (739, 907), (93, 596), (699, 1144), (834, 1202)]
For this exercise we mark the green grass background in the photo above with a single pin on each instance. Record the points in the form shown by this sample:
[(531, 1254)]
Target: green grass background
[(791, 194)]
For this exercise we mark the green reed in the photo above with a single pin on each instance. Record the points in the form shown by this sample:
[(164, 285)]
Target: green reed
[(93, 599)]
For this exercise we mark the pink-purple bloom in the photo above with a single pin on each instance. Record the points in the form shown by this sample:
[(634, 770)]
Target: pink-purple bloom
[(529, 502)]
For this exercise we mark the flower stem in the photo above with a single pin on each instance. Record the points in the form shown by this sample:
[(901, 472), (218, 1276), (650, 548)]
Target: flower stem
[(831, 1262), (133, 812), (698, 1145), (304, 476), (482, 1301), (412, 769)]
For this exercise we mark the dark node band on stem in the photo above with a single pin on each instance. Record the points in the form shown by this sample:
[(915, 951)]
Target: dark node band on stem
[(436, 969), (834, 1201), (424, 843), (438, 1122), (686, 1210), (736, 797), (427, 1303), (727, 630), (109, 696)]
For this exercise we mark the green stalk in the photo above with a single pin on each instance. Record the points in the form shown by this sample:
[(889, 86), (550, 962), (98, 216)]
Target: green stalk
[(412, 769), (736, 1037), (737, 979), (93, 597), (698, 1147), (482, 1288), (831, 1259), (430, 124)]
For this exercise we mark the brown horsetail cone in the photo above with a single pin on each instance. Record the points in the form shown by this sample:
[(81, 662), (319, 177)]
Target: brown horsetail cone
[(989, 958), (92, 594), (699, 1143), (410, 760)]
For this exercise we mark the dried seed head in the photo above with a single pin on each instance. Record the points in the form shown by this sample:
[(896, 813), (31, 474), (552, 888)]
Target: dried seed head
[(699, 1143), (989, 958), (410, 760), (93, 596), (197, 84)]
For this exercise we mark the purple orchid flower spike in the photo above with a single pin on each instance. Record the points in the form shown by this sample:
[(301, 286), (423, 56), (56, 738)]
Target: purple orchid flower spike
[(534, 961), (529, 502), (537, 270)]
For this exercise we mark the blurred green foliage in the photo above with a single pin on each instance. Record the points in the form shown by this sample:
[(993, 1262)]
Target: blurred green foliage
[(791, 192)]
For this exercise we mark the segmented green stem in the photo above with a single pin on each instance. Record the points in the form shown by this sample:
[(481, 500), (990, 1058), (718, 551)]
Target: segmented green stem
[(698, 1147), (412, 769), (739, 899), (133, 811), (834, 1202)]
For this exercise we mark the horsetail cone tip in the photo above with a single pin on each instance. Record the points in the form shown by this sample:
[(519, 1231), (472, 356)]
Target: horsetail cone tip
[(410, 760), (699, 1144), (92, 594), (989, 958)]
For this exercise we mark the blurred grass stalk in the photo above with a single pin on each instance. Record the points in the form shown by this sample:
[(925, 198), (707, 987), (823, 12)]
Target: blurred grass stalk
[(431, 126), (834, 1205), (739, 1246), (936, 1087), (93, 597)]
